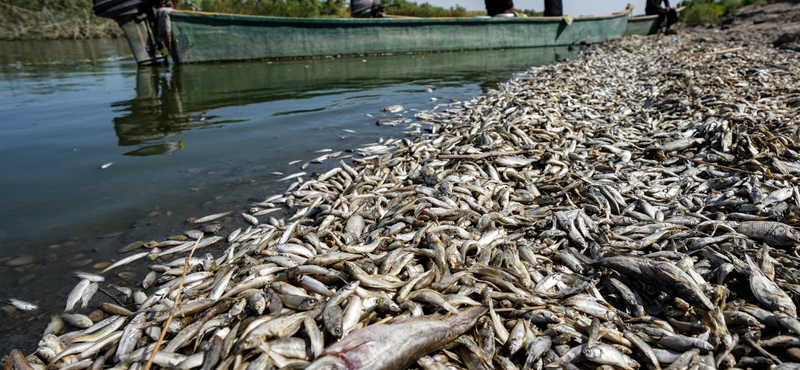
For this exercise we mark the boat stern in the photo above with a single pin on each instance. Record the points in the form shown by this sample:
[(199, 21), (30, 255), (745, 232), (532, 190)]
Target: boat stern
[(145, 25)]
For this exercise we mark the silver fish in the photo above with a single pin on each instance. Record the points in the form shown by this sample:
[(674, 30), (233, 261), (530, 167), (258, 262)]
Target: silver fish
[(396, 346)]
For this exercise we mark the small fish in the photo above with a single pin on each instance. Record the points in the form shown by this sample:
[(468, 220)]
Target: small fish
[(19, 360), (125, 261), (89, 276), (54, 326), (605, 354), (250, 219), (22, 305), (393, 108), (513, 161), (88, 293), (76, 294), (773, 233), (77, 320), (769, 293), (130, 336), (213, 217), (292, 176)]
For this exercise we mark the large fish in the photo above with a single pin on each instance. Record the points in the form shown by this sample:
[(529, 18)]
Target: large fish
[(395, 346)]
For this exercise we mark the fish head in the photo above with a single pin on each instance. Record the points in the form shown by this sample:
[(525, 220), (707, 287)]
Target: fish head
[(793, 234), (309, 304), (592, 353)]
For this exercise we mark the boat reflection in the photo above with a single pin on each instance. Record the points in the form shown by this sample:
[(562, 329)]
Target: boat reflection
[(172, 101), (153, 117)]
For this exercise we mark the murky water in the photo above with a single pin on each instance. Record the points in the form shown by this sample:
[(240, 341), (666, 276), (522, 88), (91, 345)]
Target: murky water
[(181, 142)]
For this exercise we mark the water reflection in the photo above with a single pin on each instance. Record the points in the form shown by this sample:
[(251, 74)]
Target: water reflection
[(170, 101), (153, 117)]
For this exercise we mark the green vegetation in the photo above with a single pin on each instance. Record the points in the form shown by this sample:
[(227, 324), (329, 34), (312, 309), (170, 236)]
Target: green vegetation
[(327, 8), (52, 19), (530, 12), (278, 8), (410, 9), (703, 12)]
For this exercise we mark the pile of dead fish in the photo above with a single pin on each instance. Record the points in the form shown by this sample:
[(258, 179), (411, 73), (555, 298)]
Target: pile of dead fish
[(631, 209)]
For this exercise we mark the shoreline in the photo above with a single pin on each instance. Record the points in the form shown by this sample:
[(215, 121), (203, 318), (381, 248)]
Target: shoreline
[(579, 158), (20, 24)]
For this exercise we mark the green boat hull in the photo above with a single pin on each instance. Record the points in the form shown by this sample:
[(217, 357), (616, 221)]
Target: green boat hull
[(211, 37), (645, 24), (642, 25)]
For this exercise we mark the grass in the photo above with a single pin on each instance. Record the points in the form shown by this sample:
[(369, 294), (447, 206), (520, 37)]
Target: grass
[(60, 20), (708, 12)]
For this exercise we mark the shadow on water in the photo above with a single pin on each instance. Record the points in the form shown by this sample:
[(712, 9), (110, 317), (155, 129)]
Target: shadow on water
[(185, 141)]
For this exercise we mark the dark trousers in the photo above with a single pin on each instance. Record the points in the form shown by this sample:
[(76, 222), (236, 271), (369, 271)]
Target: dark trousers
[(671, 15), (552, 8), (495, 7)]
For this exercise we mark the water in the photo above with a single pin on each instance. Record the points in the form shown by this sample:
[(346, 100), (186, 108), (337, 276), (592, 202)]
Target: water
[(183, 141)]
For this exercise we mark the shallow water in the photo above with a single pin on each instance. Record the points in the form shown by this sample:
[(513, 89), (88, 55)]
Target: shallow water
[(183, 141)]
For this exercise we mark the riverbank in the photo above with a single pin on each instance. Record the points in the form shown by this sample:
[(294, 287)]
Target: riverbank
[(19, 23)]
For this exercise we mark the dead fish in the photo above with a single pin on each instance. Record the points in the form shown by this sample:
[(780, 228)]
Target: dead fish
[(393, 108), (22, 305), (75, 295), (513, 161), (210, 218), (77, 320), (395, 346), (767, 292), (89, 276), (131, 335), (775, 234), (250, 219), (679, 145), (292, 176), (125, 261), (664, 275)]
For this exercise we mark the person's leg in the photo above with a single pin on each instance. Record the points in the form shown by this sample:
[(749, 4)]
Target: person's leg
[(672, 18), (660, 12)]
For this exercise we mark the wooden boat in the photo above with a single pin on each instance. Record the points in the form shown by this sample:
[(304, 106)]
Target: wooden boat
[(207, 37), (645, 24), (193, 37)]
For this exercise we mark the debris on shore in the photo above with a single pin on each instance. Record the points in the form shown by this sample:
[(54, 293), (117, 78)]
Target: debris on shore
[(631, 209)]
